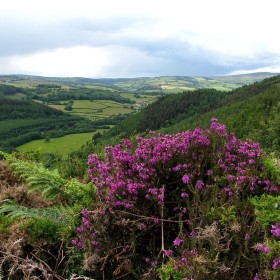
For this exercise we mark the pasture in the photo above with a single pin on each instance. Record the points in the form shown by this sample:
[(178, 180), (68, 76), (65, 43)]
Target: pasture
[(62, 145), (96, 109)]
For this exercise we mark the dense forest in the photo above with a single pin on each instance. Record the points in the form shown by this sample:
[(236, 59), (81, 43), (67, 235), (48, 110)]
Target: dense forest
[(42, 93)]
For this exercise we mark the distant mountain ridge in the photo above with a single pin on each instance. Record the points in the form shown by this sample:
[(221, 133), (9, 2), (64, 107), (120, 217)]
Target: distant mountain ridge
[(148, 85)]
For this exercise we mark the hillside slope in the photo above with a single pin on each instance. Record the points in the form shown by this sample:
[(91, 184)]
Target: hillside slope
[(251, 111), (23, 121), (142, 85)]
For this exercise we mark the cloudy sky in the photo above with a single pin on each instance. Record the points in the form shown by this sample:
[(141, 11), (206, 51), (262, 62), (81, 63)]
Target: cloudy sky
[(136, 38)]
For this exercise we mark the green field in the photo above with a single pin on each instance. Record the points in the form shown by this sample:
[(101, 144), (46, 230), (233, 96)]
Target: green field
[(62, 145), (97, 109), (141, 98)]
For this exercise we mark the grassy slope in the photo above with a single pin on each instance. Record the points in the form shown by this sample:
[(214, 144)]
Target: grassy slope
[(23, 121), (97, 109), (180, 83), (62, 145)]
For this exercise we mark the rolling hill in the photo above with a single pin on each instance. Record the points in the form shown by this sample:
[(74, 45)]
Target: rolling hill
[(141, 85), (22, 121), (250, 111)]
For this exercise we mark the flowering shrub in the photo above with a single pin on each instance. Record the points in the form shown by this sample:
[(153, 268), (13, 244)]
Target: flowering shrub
[(276, 230), (175, 199)]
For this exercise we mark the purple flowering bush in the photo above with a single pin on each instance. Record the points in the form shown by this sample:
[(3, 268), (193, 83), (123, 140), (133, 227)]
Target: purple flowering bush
[(176, 206)]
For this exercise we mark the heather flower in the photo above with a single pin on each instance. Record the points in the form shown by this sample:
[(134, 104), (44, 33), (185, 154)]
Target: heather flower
[(276, 230), (156, 220), (228, 191), (199, 184), (262, 248), (183, 194), (74, 242), (168, 253), (210, 172), (194, 252), (80, 229), (149, 181), (177, 241), (80, 244), (86, 222), (185, 179), (276, 263), (193, 234)]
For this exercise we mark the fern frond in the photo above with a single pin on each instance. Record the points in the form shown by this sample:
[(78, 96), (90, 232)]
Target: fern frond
[(50, 182), (37, 177), (60, 214)]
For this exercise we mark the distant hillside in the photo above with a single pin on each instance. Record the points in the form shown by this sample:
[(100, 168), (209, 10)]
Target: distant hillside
[(23, 121), (143, 85), (175, 84), (250, 111)]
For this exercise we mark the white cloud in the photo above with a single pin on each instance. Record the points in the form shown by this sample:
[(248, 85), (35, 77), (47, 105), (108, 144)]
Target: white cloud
[(90, 37), (83, 61), (75, 61), (271, 69)]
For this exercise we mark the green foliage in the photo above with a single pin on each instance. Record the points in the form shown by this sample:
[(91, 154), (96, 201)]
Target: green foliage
[(43, 229), (51, 184), (272, 168), (38, 177), (78, 93), (47, 231), (267, 209), (61, 146), (23, 121), (168, 110), (60, 215), (80, 194), (225, 215), (9, 90), (168, 272), (250, 111), (5, 222)]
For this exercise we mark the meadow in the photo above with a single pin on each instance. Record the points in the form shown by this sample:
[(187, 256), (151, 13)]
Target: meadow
[(174, 84), (141, 98), (96, 109), (62, 145)]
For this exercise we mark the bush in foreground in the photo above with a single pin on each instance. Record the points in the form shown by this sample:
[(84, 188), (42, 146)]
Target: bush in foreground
[(179, 207)]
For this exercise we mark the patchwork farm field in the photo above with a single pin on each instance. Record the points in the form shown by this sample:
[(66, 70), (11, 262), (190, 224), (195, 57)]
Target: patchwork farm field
[(142, 98), (62, 145), (99, 109)]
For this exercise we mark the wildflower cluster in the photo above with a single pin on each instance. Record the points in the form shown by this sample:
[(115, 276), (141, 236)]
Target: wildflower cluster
[(178, 163), (262, 248), (154, 191), (275, 230)]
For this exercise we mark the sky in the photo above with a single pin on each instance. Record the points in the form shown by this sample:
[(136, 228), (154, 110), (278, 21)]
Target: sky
[(121, 38)]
